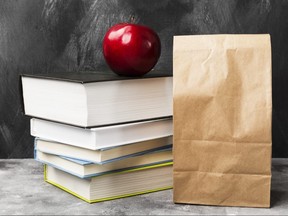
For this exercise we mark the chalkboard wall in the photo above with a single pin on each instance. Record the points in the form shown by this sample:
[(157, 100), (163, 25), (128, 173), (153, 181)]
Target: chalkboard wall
[(66, 35)]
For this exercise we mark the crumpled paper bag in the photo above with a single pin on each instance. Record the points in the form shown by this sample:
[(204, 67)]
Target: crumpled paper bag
[(222, 103)]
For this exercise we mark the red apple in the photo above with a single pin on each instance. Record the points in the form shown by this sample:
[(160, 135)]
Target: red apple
[(131, 49)]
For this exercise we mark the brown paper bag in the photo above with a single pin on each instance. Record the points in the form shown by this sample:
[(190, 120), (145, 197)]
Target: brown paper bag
[(222, 120)]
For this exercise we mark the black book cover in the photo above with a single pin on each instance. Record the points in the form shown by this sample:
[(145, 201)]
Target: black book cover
[(88, 77)]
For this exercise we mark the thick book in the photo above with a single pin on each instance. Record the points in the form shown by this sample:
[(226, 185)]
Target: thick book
[(88, 169), (102, 137), (105, 155), (112, 186), (96, 99)]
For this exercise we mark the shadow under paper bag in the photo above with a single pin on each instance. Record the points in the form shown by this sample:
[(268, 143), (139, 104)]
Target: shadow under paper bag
[(222, 120)]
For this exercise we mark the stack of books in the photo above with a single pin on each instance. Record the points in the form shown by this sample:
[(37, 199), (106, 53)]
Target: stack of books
[(101, 136)]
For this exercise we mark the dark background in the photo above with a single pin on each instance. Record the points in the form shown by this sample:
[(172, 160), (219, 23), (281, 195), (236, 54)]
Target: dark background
[(66, 35)]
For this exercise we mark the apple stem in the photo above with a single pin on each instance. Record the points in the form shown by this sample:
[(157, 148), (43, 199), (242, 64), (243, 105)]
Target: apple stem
[(132, 19)]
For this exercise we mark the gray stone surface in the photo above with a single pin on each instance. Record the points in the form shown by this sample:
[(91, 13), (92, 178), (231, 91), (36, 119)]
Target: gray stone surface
[(23, 191)]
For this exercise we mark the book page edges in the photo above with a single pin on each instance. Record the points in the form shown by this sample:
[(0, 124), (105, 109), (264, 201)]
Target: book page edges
[(106, 198), (117, 172), (113, 197)]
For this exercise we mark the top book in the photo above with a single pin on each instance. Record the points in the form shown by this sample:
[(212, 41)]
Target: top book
[(90, 99)]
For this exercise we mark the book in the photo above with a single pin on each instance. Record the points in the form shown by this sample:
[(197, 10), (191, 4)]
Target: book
[(105, 155), (96, 99), (112, 186), (102, 137), (87, 169)]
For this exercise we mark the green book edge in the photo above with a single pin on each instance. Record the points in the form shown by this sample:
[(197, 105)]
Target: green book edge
[(114, 197)]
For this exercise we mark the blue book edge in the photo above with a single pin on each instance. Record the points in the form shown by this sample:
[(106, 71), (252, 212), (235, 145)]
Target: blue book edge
[(165, 163), (85, 163)]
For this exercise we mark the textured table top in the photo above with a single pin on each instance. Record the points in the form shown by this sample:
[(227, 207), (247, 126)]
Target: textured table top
[(23, 191)]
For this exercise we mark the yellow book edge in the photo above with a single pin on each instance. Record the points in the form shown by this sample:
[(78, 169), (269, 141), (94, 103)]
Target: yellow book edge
[(114, 197)]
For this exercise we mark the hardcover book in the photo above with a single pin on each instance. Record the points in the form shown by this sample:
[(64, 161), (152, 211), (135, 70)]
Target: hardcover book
[(105, 155), (96, 99), (112, 186), (87, 169), (102, 137)]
